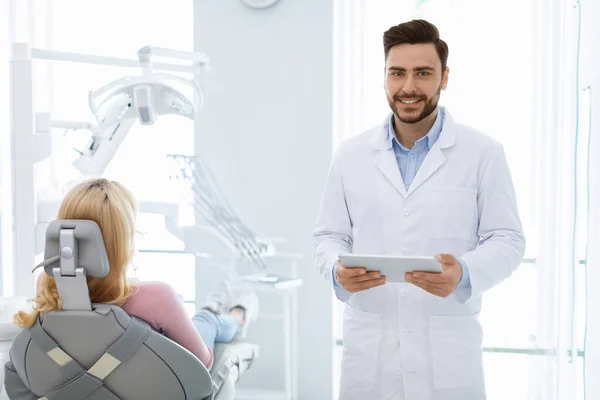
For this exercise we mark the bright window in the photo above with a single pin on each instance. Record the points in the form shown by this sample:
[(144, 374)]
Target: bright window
[(118, 29)]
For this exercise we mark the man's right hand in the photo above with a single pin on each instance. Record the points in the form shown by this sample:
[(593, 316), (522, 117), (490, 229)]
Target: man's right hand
[(357, 279)]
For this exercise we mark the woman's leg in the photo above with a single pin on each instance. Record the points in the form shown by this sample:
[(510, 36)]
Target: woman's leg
[(245, 308), (215, 328), (227, 329)]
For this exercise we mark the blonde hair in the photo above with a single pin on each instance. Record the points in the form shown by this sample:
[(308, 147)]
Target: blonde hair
[(113, 208)]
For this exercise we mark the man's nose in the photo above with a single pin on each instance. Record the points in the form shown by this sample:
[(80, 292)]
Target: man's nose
[(409, 86)]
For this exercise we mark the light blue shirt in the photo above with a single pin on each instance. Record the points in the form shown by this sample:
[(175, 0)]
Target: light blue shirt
[(409, 161)]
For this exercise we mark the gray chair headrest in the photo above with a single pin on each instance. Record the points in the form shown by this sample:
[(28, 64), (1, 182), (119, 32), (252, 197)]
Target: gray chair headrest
[(88, 251), (74, 250)]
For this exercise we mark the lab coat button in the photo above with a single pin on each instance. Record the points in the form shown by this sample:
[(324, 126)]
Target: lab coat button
[(403, 293), (404, 331), (406, 213)]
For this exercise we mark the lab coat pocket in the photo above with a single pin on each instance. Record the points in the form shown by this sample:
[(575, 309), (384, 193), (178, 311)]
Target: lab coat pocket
[(454, 211), (362, 337), (456, 351)]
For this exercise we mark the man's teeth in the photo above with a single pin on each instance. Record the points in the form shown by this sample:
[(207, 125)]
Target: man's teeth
[(409, 101)]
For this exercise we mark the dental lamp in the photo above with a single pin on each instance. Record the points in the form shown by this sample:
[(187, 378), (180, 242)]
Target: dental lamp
[(144, 98), (119, 104)]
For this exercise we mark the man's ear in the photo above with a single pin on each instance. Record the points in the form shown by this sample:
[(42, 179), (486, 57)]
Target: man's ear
[(445, 78)]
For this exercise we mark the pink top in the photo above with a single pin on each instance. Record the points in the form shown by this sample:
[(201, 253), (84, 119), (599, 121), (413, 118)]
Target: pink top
[(157, 304)]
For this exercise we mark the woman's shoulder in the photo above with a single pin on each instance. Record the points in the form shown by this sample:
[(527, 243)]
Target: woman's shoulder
[(151, 289), (150, 285)]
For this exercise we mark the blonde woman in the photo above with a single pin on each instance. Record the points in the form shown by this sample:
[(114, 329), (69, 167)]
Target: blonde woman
[(113, 208)]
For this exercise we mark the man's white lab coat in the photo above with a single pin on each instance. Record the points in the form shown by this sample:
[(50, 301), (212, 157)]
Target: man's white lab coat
[(401, 342)]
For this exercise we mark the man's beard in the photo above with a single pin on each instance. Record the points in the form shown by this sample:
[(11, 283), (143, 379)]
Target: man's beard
[(430, 106)]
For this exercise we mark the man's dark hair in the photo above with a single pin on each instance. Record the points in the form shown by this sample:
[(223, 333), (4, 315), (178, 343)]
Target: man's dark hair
[(414, 32)]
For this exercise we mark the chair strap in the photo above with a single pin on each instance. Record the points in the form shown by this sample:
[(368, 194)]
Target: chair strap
[(83, 383), (69, 367)]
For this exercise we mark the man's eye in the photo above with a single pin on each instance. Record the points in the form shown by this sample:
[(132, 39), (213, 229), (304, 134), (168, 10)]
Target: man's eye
[(423, 73)]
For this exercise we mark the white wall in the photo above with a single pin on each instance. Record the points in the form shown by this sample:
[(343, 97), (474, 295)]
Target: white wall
[(267, 123)]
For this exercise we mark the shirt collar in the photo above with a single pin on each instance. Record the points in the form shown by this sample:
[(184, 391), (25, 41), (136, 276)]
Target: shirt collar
[(431, 137)]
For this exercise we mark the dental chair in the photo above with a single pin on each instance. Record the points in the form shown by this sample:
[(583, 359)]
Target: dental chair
[(97, 351)]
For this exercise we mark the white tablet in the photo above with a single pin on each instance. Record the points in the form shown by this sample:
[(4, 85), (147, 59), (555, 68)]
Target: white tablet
[(392, 267)]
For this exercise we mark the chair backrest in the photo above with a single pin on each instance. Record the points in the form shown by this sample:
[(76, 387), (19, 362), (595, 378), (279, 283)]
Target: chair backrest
[(97, 351)]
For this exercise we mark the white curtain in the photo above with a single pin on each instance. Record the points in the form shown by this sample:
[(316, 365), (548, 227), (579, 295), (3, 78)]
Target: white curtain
[(568, 225), (557, 372), (348, 32), (592, 342), (515, 74), (590, 81)]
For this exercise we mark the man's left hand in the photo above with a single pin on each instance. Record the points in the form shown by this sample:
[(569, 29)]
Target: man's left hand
[(443, 284)]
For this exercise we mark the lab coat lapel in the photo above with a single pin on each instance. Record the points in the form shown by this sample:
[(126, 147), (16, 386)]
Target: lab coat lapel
[(386, 162), (385, 159), (433, 161), (435, 158)]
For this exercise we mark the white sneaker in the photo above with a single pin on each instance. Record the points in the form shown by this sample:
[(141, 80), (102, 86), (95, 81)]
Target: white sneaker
[(249, 302), (219, 299)]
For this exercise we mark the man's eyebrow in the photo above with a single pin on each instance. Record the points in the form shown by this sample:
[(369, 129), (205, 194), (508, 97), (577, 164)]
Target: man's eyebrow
[(416, 69)]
